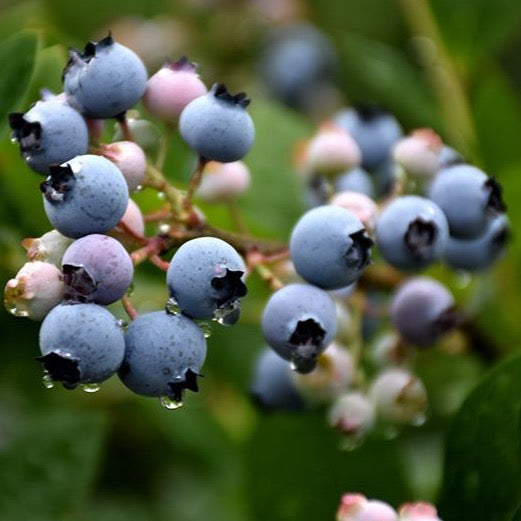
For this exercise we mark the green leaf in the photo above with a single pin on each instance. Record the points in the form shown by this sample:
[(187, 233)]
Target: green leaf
[(482, 478), (47, 472), (474, 30), (382, 73), (17, 59)]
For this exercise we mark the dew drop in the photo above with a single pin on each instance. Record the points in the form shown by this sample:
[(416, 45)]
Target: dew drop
[(164, 229), (350, 443), (418, 420), (172, 306), (90, 387), (139, 188), (463, 279), (293, 366), (227, 315), (28, 158), (161, 195), (17, 312), (206, 328), (14, 140), (170, 404), (130, 290), (47, 380), (123, 324)]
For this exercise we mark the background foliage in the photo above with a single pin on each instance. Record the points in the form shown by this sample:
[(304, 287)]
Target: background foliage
[(114, 456)]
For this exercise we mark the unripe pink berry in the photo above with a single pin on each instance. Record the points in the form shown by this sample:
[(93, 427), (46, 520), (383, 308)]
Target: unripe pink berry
[(353, 414), (133, 221), (361, 205), (331, 151), (50, 247), (355, 507), (130, 159), (419, 511), (171, 88), (399, 396), (35, 290), (418, 153), (223, 181), (332, 376)]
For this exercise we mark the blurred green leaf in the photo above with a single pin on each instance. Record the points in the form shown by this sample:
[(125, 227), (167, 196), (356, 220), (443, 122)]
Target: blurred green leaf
[(475, 30), (386, 77), (482, 478), (47, 472), (17, 59), (296, 469)]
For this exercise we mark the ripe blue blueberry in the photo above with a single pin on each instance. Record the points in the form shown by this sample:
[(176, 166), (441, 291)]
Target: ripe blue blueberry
[(49, 133), (85, 195), (272, 387), (299, 322), (422, 309), (81, 343), (483, 251), (411, 232), (375, 131), (105, 80), (96, 268), (206, 279), (164, 354), (355, 180), (296, 62), (217, 126), (468, 197), (330, 247)]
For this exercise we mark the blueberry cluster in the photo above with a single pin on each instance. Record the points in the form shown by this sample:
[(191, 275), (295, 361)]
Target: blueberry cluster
[(87, 261), (383, 208)]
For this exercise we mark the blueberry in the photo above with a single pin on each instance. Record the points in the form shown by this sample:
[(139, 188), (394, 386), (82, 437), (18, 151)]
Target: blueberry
[(85, 195), (295, 62), (164, 354), (299, 322), (355, 180), (411, 232), (329, 247), (49, 133), (422, 310), (375, 131), (217, 126), (96, 268), (468, 197), (483, 251), (206, 279), (272, 387), (105, 80), (81, 343)]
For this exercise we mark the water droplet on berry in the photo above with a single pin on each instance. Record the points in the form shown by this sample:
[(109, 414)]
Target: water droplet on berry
[(164, 228), (28, 158), (130, 290), (172, 306), (227, 315), (14, 140), (139, 188), (47, 380), (161, 195), (206, 328), (418, 420), (170, 404), (90, 387), (123, 324), (293, 366), (17, 312)]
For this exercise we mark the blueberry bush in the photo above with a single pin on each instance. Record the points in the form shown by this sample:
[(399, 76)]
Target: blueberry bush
[(296, 219)]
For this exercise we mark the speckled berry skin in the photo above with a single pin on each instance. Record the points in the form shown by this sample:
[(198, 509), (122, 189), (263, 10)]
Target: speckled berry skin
[(171, 88), (88, 194), (164, 354), (81, 343), (329, 247), (468, 197), (299, 322), (422, 309), (411, 232), (49, 133), (105, 80), (96, 268), (206, 276), (217, 126)]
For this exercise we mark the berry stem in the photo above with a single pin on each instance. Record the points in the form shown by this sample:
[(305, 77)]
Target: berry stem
[(194, 183), (129, 308), (156, 180), (125, 129), (236, 217), (163, 146)]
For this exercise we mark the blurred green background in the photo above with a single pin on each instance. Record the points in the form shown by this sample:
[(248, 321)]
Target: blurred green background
[(70, 456)]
